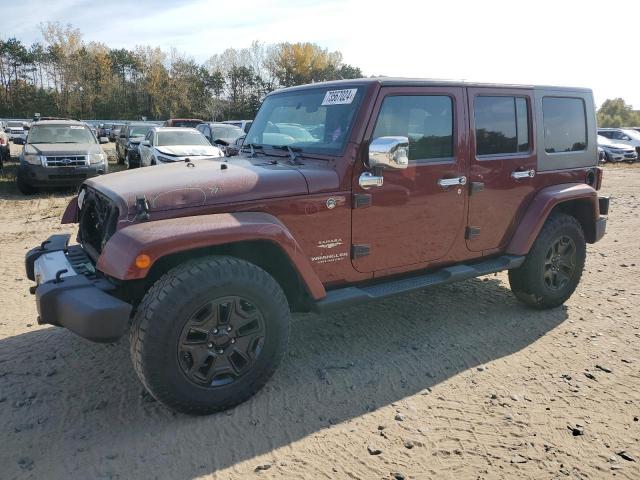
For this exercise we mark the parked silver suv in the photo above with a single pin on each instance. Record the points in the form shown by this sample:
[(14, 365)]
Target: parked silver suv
[(59, 153)]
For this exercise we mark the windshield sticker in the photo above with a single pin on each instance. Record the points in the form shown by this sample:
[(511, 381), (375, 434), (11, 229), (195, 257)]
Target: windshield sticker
[(76, 127), (339, 97)]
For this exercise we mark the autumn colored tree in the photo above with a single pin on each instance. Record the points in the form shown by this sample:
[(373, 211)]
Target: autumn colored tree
[(63, 75)]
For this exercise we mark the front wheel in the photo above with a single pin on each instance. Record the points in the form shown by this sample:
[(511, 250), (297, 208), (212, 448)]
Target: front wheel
[(553, 267), (130, 162), (24, 187), (209, 334)]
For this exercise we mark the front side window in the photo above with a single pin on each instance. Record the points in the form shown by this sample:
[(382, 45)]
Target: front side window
[(565, 124), (426, 120), (501, 125), (312, 119), (60, 134)]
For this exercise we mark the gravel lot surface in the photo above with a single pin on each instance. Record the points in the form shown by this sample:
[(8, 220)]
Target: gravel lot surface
[(459, 381)]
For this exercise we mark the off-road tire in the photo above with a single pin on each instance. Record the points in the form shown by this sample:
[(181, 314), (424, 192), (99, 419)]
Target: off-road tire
[(528, 280), (166, 309), (24, 187)]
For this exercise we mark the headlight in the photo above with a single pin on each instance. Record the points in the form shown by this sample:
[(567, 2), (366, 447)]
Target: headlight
[(81, 198), (33, 159), (97, 157)]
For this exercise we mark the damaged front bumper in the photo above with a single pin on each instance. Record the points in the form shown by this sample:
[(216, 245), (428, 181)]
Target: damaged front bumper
[(70, 294)]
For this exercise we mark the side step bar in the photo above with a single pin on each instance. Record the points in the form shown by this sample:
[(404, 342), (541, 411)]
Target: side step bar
[(344, 297)]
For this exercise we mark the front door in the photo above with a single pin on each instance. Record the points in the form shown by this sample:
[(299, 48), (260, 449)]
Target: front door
[(503, 164), (412, 218)]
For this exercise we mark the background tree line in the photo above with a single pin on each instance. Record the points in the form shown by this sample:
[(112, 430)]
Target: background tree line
[(65, 76), (616, 113)]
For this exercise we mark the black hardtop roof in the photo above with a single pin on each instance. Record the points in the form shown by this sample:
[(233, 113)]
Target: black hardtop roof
[(420, 82)]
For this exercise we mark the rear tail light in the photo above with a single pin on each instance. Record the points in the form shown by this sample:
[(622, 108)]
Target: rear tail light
[(2, 141)]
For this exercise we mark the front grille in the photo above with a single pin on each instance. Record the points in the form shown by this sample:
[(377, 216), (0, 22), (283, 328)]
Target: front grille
[(98, 218), (66, 161), (68, 177)]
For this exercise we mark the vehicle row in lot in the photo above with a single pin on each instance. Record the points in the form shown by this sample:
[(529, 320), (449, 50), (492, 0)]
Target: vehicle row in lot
[(619, 144), (145, 144), (163, 145)]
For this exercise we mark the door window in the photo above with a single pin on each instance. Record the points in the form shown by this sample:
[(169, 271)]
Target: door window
[(501, 125), (426, 120), (565, 124)]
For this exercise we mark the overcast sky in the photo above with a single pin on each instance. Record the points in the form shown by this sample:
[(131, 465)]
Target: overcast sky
[(558, 42)]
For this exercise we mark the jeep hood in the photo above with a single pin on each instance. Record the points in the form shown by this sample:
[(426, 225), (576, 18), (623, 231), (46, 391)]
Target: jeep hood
[(200, 183)]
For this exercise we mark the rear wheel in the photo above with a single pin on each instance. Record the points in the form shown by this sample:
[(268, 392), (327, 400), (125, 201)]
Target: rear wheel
[(553, 267), (209, 334)]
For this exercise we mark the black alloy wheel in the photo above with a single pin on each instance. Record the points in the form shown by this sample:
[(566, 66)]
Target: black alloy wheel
[(221, 341), (560, 263)]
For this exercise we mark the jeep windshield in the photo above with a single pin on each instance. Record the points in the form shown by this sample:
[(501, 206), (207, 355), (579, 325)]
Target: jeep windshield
[(60, 134), (316, 120)]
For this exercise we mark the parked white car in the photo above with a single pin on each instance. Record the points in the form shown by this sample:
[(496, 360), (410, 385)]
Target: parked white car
[(622, 135), (174, 144), (16, 132), (617, 152)]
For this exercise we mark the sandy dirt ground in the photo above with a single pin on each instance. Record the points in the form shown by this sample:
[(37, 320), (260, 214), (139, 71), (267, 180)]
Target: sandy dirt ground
[(456, 382)]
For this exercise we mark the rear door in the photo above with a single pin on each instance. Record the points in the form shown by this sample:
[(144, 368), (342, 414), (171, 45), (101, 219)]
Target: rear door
[(411, 218), (503, 164)]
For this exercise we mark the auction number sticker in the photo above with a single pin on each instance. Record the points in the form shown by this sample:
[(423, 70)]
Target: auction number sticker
[(339, 97)]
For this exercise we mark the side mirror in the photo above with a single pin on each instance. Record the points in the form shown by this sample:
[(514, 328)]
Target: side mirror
[(103, 140), (26, 127), (389, 152), (145, 143)]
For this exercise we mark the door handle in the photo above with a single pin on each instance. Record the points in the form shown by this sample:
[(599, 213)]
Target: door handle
[(368, 180), (452, 182), (518, 175)]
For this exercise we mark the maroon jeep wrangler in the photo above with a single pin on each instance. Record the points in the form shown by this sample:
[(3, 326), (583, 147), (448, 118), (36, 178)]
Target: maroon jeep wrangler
[(344, 192)]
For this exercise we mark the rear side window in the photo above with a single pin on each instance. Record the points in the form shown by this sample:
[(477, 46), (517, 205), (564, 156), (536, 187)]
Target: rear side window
[(427, 120), (565, 124), (502, 125)]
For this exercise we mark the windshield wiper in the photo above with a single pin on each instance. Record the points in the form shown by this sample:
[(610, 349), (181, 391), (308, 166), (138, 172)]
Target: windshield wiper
[(253, 147), (293, 153)]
